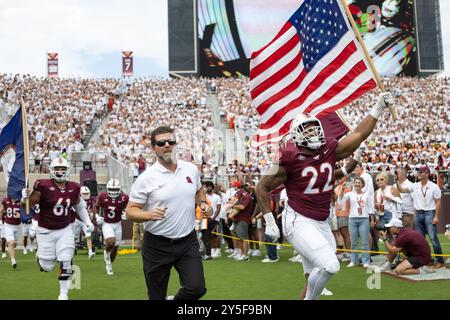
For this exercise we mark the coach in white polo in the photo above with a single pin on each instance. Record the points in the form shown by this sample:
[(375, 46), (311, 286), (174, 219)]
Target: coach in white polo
[(164, 197)]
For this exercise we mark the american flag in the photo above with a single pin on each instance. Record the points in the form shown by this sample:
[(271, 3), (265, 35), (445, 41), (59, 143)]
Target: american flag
[(313, 65)]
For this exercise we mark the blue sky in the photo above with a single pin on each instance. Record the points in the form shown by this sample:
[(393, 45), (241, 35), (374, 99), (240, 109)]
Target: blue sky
[(90, 35)]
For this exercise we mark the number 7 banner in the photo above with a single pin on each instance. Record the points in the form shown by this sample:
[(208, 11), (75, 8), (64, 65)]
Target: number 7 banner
[(127, 63)]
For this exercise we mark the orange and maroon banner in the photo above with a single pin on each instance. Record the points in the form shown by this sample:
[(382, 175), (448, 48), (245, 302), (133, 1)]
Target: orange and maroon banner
[(52, 65), (127, 63)]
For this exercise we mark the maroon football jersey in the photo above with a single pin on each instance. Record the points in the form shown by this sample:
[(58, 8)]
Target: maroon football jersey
[(73, 215), (55, 204), (91, 203), (37, 212), (112, 208), (310, 179), (12, 211)]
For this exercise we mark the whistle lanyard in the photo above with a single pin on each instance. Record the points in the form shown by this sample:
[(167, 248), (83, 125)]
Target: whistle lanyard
[(424, 193)]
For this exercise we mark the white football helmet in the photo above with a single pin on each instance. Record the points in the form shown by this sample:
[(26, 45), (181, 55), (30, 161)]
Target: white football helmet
[(59, 169), (390, 8), (113, 188), (311, 137), (85, 193)]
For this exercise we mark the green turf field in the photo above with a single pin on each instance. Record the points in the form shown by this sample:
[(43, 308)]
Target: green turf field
[(225, 279)]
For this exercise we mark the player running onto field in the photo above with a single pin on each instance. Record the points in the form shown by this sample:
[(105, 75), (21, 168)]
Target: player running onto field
[(113, 203), (306, 167), (56, 196)]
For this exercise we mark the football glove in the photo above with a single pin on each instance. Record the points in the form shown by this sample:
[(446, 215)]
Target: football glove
[(99, 220), (90, 227), (26, 193), (271, 229), (384, 101)]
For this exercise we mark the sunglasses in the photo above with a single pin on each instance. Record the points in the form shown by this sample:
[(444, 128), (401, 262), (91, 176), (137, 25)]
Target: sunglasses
[(162, 143)]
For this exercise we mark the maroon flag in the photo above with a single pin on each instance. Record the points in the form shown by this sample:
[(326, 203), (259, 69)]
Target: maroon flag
[(52, 65), (127, 63), (313, 65)]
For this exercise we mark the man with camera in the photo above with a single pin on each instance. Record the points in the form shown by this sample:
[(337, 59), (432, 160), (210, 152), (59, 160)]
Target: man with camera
[(412, 244)]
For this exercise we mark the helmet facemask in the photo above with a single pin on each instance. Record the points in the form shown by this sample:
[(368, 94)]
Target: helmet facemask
[(59, 174), (113, 188), (113, 192), (308, 135)]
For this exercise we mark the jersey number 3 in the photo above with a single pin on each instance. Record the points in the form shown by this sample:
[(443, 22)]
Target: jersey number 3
[(324, 168)]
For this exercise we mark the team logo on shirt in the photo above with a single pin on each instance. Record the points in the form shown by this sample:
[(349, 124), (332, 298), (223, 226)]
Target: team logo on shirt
[(188, 179), (301, 157), (51, 189)]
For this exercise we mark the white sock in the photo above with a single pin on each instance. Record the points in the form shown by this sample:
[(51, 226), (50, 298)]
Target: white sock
[(64, 286), (317, 281), (90, 251), (107, 257), (13, 261)]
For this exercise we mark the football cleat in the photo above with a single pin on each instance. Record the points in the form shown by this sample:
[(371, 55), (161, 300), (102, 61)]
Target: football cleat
[(109, 270), (63, 297), (326, 292)]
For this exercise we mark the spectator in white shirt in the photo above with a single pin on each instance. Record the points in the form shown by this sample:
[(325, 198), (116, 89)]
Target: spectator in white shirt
[(216, 204), (358, 222), (407, 208)]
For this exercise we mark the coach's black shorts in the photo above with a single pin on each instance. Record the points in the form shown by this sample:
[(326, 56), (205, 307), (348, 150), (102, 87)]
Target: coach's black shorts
[(416, 264)]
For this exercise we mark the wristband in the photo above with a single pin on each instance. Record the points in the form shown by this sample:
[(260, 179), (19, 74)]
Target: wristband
[(344, 171)]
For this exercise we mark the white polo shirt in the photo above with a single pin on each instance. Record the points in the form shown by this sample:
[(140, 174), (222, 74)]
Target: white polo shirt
[(175, 191), (424, 196)]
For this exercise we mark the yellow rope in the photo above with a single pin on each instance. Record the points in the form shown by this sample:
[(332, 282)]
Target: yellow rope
[(289, 245)]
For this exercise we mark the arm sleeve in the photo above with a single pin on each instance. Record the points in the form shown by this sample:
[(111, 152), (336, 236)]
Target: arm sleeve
[(284, 159), (399, 242), (139, 192), (245, 201), (437, 194), (197, 180), (37, 186), (80, 208)]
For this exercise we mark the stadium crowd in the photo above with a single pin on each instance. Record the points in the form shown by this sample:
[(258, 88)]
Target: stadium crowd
[(148, 103), (60, 112)]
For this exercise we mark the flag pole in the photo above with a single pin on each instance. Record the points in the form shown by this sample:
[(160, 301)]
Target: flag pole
[(366, 53), (25, 149)]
